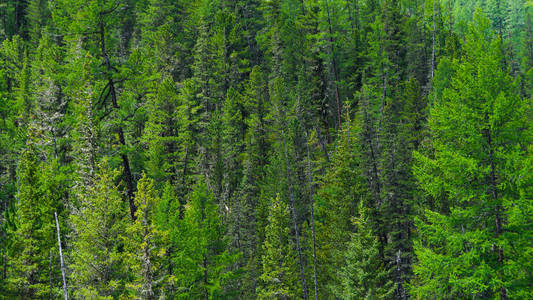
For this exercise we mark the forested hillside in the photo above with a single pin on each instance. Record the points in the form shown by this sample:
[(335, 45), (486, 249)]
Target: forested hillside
[(266, 149)]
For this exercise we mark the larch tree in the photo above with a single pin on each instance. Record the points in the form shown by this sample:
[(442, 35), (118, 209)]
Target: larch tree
[(33, 253), (473, 246)]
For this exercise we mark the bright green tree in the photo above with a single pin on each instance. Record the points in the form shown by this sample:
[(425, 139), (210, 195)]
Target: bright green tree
[(202, 260), (144, 244), (477, 244), (34, 245), (97, 253), (280, 274)]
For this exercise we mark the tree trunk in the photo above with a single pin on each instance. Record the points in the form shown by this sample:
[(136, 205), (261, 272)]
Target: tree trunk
[(125, 161), (293, 210), (311, 203), (498, 212), (335, 71), (65, 291)]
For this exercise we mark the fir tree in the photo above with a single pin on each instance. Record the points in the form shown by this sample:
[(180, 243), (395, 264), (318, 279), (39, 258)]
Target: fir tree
[(364, 276)]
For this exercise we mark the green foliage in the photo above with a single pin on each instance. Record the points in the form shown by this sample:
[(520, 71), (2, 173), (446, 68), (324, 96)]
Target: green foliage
[(473, 246), (279, 277), (364, 276), (202, 260), (143, 241), (219, 149), (34, 245), (337, 202), (99, 225)]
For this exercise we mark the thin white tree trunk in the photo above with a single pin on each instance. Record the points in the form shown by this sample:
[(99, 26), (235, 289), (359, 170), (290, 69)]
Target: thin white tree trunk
[(61, 258)]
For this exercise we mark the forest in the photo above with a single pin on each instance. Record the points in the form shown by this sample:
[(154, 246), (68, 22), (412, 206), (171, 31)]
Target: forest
[(266, 149)]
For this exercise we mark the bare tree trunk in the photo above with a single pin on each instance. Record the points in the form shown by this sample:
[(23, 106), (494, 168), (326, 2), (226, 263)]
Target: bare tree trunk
[(291, 195), (65, 291), (399, 285), (311, 201), (433, 45), (125, 161)]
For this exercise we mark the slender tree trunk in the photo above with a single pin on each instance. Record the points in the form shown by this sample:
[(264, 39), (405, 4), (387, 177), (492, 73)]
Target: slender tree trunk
[(4, 262), (293, 210), (128, 178), (322, 144), (311, 203), (335, 71), (399, 285), (498, 212), (65, 291), (433, 45)]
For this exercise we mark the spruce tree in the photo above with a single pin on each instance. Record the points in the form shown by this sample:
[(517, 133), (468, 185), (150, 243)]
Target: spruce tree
[(337, 201), (364, 275)]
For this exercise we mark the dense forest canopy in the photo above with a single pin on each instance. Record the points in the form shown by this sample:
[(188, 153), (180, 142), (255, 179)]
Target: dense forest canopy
[(266, 149)]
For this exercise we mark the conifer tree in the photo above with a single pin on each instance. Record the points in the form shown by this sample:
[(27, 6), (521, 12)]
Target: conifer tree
[(143, 244), (97, 253), (160, 133), (50, 102), (280, 274), (34, 246), (166, 219), (202, 260), (238, 111), (473, 246), (337, 201), (364, 276), (92, 29)]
